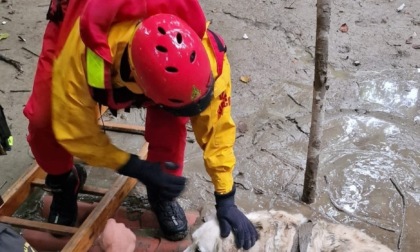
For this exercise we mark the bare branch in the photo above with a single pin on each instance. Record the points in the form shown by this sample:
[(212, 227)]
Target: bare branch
[(404, 206)]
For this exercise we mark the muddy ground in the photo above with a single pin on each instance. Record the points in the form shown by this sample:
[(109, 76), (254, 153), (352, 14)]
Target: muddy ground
[(372, 120)]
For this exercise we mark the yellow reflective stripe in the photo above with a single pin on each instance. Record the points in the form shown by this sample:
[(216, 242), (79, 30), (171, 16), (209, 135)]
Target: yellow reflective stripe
[(95, 70), (10, 141)]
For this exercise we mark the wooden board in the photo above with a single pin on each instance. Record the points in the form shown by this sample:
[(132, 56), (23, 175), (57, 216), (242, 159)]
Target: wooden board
[(118, 127), (95, 222), (84, 236), (36, 225), (20, 190)]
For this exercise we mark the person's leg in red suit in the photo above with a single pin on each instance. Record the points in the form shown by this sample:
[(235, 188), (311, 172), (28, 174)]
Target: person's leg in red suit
[(63, 178), (53, 158), (166, 135)]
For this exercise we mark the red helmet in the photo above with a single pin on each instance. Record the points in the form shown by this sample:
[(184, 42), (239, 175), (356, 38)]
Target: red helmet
[(171, 65)]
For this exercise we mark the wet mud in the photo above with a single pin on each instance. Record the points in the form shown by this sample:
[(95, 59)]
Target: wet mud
[(369, 175)]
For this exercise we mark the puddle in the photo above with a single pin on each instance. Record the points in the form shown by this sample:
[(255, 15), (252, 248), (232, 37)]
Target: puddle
[(364, 151), (389, 93)]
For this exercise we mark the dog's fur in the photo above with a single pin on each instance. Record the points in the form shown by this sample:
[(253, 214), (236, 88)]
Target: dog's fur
[(277, 230)]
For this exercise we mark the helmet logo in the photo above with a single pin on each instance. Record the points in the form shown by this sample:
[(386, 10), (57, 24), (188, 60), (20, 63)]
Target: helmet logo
[(195, 93)]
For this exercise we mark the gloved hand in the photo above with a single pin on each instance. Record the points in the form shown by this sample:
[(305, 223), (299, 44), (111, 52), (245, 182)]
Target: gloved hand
[(99, 15), (232, 219), (153, 175)]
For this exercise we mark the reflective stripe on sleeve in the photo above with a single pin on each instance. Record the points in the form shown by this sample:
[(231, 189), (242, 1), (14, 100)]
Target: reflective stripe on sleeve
[(95, 70), (10, 141)]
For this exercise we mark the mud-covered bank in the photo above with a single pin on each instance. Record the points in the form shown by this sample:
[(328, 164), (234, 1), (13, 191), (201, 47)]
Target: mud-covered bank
[(372, 119)]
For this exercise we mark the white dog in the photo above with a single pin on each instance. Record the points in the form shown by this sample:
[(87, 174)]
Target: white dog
[(281, 231)]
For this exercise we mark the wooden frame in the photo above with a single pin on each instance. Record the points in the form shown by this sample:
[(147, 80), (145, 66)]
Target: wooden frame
[(84, 236)]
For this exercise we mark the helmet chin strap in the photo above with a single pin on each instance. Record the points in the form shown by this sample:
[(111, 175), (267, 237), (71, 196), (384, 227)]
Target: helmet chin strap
[(196, 107)]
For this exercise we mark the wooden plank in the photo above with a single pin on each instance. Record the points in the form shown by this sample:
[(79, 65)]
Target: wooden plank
[(125, 128), (84, 236), (20, 190), (118, 127), (95, 222), (36, 225), (92, 190), (143, 151)]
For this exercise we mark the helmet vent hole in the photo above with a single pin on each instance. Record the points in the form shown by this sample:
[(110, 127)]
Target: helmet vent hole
[(174, 100), (161, 30), (192, 57), (161, 48), (171, 69), (179, 38)]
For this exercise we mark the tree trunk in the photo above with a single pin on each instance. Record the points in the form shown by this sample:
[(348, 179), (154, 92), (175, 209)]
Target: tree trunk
[(320, 88)]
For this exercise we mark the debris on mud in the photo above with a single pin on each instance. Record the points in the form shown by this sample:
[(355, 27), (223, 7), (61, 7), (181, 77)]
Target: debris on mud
[(12, 62), (242, 127), (245, 78), (344, 28), (399, 9)]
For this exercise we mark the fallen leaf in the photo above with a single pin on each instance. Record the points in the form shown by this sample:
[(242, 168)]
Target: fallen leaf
[(416, 46), (245, 78), (258, 191), (4, 35), (344, 28)]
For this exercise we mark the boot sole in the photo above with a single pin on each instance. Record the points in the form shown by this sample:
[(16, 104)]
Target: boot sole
[(176, 237)]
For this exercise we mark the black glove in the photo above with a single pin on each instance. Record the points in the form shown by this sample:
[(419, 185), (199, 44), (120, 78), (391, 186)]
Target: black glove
[(232, 219), (152, 174)]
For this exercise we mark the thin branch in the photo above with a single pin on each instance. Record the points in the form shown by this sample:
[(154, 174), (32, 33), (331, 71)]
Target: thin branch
[(290, 6), (12, 62), (284, 160), (294, 100), (341, 209), (404, 205), (20, 91), (4, 183), (29, 51), (318, 97)]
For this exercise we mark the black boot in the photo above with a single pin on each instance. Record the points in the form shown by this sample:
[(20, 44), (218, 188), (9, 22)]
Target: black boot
[(170, 215), (64, 188)]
